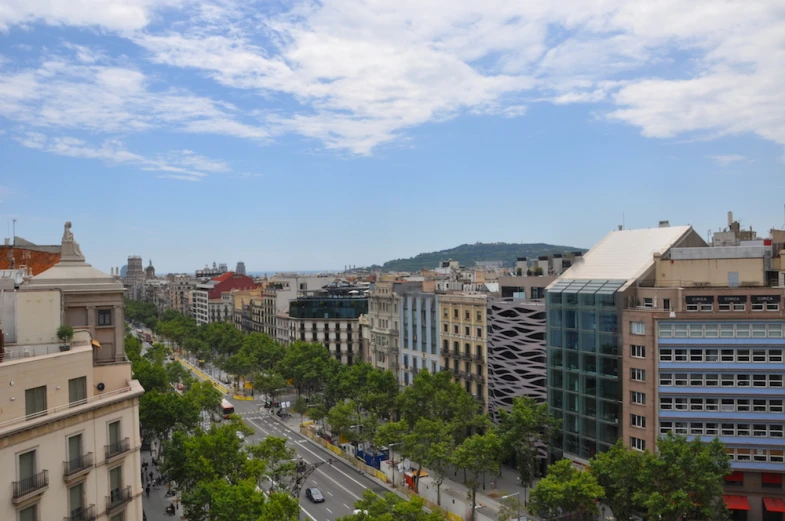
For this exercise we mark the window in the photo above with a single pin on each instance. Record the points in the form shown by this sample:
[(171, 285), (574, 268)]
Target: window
[(115, 481), (466, 330), (648, 302), (638, 375), (479, 332), (467, 315), (638, 351), (638, 398), (104, 317), (77, 390), (444, 327), (74, 448), (637, 328), (638, 421), (445, 313), (455, 329), (479, 316), (455, 313), (29, 514), (75, 501), (637, 444), (27, 465), (666, 304), (114, 432), (35, 401)]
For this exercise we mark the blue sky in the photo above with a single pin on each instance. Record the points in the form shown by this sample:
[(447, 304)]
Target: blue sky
[(311, 135)]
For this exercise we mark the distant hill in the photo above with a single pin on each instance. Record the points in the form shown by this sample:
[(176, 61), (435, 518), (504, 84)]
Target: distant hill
[(468, 254)]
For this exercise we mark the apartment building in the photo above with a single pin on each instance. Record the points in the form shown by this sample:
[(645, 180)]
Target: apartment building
[(212, 300), (463, 334), (331, 318), (269, 314), (180, 288), (419, 334), (69, 428), (384, 318)]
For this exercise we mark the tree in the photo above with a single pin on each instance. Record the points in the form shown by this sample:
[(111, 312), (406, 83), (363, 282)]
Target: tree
[(204, 396), (157, 354), (524, 432), (176, 373), (317, 413), (566, 490), (619, 471), (277, 457), (345, 421), (684, 478), (511, 508), (390, 507), (424, 442), (307, 365), (300, 407), (477, 454), (151, 376), (271, 384)]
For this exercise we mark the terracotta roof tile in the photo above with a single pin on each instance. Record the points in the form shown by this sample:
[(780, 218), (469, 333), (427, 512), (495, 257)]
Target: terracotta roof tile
[(39, 261)]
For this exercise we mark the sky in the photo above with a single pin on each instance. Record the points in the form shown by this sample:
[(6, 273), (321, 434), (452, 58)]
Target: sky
[(304, 135)]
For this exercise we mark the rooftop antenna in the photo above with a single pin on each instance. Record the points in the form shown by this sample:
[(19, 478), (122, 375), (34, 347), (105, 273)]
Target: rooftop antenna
[(14, 235)]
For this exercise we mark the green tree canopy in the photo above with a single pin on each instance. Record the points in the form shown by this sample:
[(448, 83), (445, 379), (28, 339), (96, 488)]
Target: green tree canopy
[(566, 490), (390, 507), (477, 454), (308, 365), (619, 471)]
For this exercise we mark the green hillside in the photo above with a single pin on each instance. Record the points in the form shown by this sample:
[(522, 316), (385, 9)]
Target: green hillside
[(468, 254)]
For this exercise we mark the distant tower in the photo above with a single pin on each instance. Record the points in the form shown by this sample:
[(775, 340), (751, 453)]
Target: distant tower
[(149, 271), (134, 277), (240, 269)]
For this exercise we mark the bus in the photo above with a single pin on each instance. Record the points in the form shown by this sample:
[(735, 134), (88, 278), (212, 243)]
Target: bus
[(226, 409)]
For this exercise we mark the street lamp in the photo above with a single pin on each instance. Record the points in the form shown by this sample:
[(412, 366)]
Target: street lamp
[(518, 501), (392, 459)]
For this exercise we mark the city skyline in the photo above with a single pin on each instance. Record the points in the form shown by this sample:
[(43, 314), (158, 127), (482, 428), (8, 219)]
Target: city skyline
[(305, 136)]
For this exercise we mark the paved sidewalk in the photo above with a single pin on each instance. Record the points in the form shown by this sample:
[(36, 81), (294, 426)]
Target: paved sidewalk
[(156, 503)]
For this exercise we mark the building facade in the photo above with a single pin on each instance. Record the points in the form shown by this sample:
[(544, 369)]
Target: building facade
[(419, 334), (134, 278), (463, 334), (69, 435), (516, 352), (333, 321), (212, 300)]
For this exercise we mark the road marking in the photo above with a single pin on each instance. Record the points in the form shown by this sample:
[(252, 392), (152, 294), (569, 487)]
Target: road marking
[(327, 509), (347, 506), (307, 513), (329, 492), (333, 466)]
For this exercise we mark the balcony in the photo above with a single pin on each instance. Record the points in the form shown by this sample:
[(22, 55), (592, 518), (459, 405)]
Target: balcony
[(118, 497), (28, 487), (116, 449), (477, 378), (78, 466), (466, 356), (445, 352), (85, 514), (477, 357), (455, 372)]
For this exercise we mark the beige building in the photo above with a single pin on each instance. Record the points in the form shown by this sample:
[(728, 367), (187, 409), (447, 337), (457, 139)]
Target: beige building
[(69, 422), (463, 332)]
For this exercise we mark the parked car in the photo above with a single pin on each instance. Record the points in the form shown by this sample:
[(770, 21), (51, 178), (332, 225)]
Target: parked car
[(314, 494)]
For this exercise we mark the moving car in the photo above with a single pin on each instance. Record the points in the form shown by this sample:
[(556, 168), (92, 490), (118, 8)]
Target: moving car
[(314, 494)]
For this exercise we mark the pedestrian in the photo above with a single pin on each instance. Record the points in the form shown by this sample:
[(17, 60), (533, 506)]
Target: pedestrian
[(151, 475), (147, 490)]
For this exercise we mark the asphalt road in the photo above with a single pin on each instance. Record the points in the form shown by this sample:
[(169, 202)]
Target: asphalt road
[(340, 483)]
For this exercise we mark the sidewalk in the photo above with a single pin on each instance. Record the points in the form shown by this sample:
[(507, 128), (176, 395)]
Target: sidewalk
[(155, 504)]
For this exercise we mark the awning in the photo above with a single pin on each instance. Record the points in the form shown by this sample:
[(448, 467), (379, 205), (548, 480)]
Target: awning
[(737, 502), (774, 504), (735, 476), (96, 343), (771, 479)]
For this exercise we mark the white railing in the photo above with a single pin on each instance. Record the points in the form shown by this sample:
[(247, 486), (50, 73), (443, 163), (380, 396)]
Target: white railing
[(65, 407)]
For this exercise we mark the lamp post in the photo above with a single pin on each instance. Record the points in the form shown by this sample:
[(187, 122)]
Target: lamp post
[(518, 501), (603, 512), (392, 459)]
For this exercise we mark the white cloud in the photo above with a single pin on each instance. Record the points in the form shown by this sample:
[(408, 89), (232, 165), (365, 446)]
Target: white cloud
[(355, 74), (183, 165), (727, 159)]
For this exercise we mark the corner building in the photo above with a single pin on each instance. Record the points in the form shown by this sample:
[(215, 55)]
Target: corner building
[(69, 424)]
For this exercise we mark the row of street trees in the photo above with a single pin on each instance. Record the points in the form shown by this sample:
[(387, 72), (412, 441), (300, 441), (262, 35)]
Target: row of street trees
[(436, 423)]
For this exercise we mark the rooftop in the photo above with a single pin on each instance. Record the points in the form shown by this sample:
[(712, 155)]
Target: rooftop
[(625, 254)]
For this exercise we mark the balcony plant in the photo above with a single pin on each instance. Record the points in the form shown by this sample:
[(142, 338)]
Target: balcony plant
[(65, 333)]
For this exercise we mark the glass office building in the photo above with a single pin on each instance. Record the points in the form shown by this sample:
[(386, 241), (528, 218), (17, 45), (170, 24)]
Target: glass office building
[(324, 307), (583, 363)]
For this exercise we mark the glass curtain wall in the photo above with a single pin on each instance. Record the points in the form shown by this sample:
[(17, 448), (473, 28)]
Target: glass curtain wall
[(584, 361)]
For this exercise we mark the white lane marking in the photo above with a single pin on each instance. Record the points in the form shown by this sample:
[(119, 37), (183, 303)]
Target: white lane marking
[(329, 492), (347, 506), (333, 466), (327, 509), (307, 513), (314, 482)]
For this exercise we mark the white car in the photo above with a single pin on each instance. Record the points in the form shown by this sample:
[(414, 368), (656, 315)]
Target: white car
[(241, 436)]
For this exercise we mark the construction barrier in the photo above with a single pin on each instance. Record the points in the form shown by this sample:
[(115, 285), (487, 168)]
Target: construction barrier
[(203, 375)]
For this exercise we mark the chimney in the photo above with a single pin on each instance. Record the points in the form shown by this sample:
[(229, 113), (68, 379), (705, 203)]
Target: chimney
[(730, 218)]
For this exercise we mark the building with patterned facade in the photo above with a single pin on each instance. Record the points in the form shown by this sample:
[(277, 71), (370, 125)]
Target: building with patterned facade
[(516, 352), (69, 432)]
